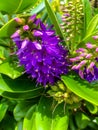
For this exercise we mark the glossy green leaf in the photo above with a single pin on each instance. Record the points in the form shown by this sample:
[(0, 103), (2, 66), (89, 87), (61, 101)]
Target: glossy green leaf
[(81, 88), (92, 108), (38, 9), (49, 116), (92, 25), (54, 19), (8, 29), (21, 109), (87, 12), (16, 6), (9, 70), (81, 120), (8, 123), (91, 28), (3, 109), (20, 88), (19, 125), (28, 120)]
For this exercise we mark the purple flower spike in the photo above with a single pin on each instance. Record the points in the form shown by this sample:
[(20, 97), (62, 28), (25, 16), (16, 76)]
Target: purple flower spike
[(43, 58)]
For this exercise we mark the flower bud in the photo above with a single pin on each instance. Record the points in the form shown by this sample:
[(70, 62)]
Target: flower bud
[(90, 46), (76, 59), (81, 50), (89, 56), (95, 37), (97, 49), (20, 21), (74, 67), (81, 73), (16, 34), (82, 63), (32, 19), (25, 27)]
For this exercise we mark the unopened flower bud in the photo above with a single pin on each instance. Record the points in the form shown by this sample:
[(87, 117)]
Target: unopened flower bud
[(32, 19), (16, 34), (74, 67), (90, 46), (81, 73), (81, 50), (83, 54), (95, 37), (90, 68), (67, 14), (20, 21), (97, 49), (91, 65), (75, 59), (89, 56), (25, 27), (82, 63)]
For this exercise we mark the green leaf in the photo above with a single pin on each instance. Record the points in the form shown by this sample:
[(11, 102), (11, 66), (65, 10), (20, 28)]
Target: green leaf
[(54, 19), (20, 88), (91, 28), (81, 88), (38, 9), (19, 125), (28, 120), (92, 25), (3, 109), (8, 123), (49, 116), (81, 120), (87, 12), (21, 109), (8, 29), (11, 71), (13, 6), (92, 108)]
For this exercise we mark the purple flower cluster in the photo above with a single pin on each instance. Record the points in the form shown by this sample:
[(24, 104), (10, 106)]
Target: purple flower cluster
[(86, 62), (39, 51)]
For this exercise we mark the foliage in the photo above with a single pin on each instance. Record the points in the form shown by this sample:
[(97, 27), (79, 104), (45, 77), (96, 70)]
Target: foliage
[(72, 102)]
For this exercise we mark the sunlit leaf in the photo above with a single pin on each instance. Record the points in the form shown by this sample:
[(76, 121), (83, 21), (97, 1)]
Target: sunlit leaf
[(87, 12), (54, 19), (16, 6), (9, 70), (91, 28), (3, 109), (8, 29), (81, 88), (49, 116)]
